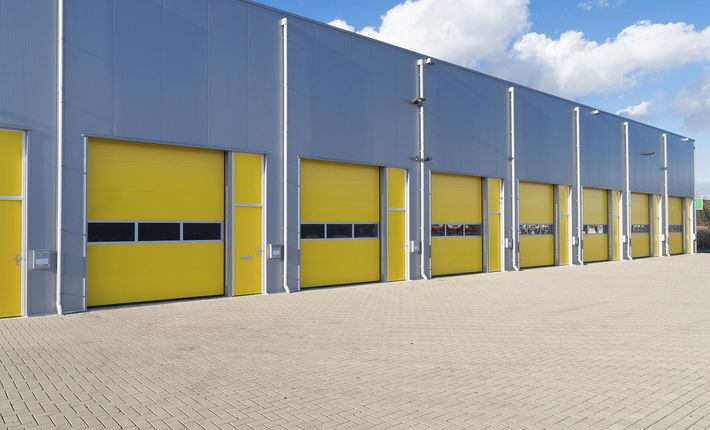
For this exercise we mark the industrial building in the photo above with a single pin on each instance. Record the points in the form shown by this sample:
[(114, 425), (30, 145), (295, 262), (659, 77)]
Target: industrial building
[(156, 150)]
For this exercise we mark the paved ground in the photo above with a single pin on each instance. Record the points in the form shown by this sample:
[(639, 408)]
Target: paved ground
[(611, 345)]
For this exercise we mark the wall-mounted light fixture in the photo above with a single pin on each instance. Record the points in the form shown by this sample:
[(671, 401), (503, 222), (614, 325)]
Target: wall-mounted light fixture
[(595, 112), (685, 139), (417, 101), (429, 61), (648, 154), (419, 159)]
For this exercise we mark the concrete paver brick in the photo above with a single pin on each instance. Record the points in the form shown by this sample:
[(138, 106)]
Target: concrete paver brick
[(612, 345)]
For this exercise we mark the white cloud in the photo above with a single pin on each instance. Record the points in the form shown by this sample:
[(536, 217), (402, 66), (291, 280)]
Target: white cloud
[(639, 111), (694, 103), (491, 35), (591, 4), (341, 23), (460, 31), (574, 66)]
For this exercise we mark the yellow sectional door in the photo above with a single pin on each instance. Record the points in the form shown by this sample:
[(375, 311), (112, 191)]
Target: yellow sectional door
[(156, 222), (10, 223), (640, 226), (596, 225), (456, 234), (675, 225), (537, 219), (340, 215), (396, 224), (248, 252)]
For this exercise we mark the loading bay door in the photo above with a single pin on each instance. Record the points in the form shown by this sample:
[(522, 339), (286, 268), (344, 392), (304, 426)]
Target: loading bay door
[(340, 230), (640, 225), (456, 226), (675, 225), (155, 222), (595, 225), (536, 229)]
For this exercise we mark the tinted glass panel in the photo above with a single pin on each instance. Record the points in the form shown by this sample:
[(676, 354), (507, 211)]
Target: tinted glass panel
[(202, 231), (472, 230), (366, 230), (340, 231), (438, 230), (454, 229), (675, 228), (111, 232), (312, 231), (158, 231)]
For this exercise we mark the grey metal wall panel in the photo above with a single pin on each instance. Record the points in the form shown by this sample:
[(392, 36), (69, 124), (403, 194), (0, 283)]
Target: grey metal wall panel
[(601, 150), (28, 99), (137, 68), (681, 167), (185, 65), (344, 91), (645, 159), (200, 73), (544, 138), (466, 121)]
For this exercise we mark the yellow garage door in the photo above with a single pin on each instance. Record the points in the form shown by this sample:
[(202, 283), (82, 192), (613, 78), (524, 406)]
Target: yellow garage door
[(396, 224), (675, 225), (248, 251), (537, 229), (640, 226), (156, 221), (10, 223), (595, 225), (456, 234), (340, 214)]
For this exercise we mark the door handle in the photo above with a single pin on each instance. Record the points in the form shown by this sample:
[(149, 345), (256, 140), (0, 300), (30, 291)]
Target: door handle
[(246, 258), (18, 260)]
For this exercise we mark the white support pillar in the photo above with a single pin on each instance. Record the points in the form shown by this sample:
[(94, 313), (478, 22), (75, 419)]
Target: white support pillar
[(577, 256), (284, 148), (665, 242), (511, 241), (626, 198), (421, 158)]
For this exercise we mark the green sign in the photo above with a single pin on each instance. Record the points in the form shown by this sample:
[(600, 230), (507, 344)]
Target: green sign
[(698, 204)]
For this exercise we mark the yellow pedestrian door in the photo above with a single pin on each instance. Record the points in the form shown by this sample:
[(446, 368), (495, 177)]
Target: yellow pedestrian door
[(595, 225), (340, 223), (536, 224), (11, 200), (675, 225), (456, 233), (248, 207), (155, 222), (396, 224), (640, 225)]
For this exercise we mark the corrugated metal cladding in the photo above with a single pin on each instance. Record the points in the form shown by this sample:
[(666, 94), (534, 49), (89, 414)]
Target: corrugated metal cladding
[(601, 150), (208, 74), (544, 136), (28, 101)]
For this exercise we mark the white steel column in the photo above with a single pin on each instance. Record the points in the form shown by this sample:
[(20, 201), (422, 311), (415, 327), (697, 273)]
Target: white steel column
[(421, 159), (284, 147), (60, 141), (626, 199), (665, 250), (577, 195), (512, 239)]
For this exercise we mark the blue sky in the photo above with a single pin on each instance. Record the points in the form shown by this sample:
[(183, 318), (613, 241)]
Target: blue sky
[(664, 82)]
